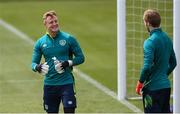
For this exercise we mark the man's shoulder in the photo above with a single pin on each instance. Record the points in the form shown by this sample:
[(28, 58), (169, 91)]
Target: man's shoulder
[(148, 42), (153, 38), (149, 39), (41, 39), (66, 35)]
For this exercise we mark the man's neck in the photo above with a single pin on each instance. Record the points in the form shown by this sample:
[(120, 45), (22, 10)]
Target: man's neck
[(152, 28), (52, 34)]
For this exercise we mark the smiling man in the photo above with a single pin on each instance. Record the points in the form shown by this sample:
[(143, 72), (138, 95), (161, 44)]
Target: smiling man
[(61, 52)]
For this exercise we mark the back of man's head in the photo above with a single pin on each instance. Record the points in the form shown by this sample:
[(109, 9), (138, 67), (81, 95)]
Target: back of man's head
[(152, 17)]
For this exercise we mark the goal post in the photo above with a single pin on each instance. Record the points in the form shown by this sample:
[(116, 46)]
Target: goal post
[(176, 78), (121, 47)]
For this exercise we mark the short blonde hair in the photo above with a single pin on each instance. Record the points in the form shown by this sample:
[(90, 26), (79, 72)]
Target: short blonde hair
[(49, 13), (153, 17)]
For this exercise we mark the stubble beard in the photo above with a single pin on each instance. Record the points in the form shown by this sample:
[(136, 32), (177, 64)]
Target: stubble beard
[(148, 29)]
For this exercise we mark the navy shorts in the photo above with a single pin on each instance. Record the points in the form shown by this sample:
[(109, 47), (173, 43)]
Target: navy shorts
[(55, 94), (157, 101)]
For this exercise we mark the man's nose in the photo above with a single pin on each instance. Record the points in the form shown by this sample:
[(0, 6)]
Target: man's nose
[(54, 23)]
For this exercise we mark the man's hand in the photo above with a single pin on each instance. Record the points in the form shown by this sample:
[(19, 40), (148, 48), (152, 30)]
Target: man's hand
[(42, 68), (139, 87)]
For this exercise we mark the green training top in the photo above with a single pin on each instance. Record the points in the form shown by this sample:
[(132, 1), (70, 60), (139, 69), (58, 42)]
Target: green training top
[(159, 61), (63, 47)]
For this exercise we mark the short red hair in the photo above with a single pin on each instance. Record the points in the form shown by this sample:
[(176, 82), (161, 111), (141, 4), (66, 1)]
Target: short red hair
[(49, 13), (153, 17)]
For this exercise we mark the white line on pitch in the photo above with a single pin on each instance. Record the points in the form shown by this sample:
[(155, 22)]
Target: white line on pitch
[(20, 81)]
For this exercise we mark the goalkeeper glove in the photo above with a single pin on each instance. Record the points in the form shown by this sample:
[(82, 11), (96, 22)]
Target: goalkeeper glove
[(60, 66), (139, 87), (42, 68)]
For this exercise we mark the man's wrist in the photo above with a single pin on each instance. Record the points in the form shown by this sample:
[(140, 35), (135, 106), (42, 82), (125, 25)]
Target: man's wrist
[(70, 62), (67, 63), (141, 81), (38, 67), (34, 67)]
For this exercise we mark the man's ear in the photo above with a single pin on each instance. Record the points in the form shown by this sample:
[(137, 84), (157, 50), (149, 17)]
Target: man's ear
[(148, 24), (44, 22)]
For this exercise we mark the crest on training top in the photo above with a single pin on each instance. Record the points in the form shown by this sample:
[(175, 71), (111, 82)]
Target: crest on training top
[(62, 42)]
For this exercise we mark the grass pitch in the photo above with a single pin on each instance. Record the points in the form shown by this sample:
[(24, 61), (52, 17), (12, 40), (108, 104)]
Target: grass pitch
[(93, 23)]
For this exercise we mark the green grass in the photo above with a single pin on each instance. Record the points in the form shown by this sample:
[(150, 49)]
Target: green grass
[(93, 23), (21, 89)]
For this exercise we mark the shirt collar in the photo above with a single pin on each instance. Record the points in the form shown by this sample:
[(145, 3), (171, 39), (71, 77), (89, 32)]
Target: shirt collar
[(155, 30), (50, 35)]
